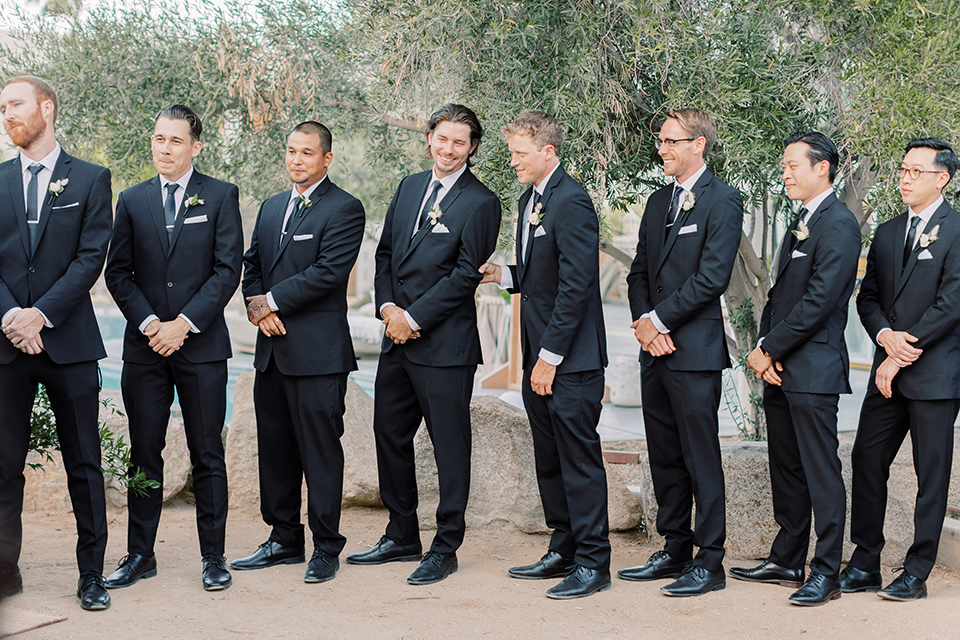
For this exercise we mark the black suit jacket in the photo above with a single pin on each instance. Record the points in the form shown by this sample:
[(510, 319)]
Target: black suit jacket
[(806, 312), (194, 273), (559, 278), (72, 239), (682, 275), (434, 275), (307, 275), (923, 300)]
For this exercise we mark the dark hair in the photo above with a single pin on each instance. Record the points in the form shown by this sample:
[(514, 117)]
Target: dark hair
[(312, 127), (821, 148), (183, 112), (946, 159), (457, 113), (41, 88)]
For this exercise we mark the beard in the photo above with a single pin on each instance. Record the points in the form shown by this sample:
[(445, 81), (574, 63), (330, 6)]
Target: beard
[(25, 133)]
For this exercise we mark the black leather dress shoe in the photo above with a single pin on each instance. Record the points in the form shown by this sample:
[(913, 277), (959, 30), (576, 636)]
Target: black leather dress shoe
[(660, 565), (905, 588), (769, 573), (322, 567), (580, 583), (853, 580), (269, 554), (551, 565), (817, 590), (386, 550), (216, 576), (695, 580), (130, 569), (92, 592), (11, 584), (434, 568)]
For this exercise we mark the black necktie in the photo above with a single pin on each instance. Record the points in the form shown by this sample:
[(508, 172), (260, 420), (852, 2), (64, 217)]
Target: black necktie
[(674, 205), (911, 237), (428, 205), (297, 208), (794, 240), (33, 213), (170, 208)]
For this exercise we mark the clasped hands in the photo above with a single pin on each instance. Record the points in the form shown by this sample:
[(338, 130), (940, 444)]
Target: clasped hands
[(764, 367), (398, 329), (167, 337), (23, 330), (262, 316), (651, 340), (900, 353)]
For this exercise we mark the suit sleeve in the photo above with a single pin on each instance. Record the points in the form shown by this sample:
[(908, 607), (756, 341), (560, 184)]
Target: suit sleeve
[(478, 241), (716, 263), (638, 280), (835, 264), (252, 283), (339, 248), (871, 313), (945, 312), (74, 285), (119, 273), (578, 234), (208, 302), (383, 276)]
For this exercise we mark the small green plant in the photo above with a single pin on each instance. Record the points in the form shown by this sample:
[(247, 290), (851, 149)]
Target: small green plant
[(748, 417), (115, 458)]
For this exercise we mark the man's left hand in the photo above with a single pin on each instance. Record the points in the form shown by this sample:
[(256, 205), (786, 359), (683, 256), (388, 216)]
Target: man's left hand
[(886, 372), (257, 309), (398, 329), (541, 378), (170, 336), (645, 332), (23, 327), (759, 362)]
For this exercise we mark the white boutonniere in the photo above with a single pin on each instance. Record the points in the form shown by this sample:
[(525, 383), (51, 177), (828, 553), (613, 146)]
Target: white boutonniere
[(434, 214), (192, 201), (305, 201), (802, 231), (689, 202), (56, 187), (927, 239), (536, 216)]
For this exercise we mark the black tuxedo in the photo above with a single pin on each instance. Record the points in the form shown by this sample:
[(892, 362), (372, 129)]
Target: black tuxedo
[(433, 275), (558, 278), (193, 273), (302, 376), (56, 278), (922, 299), (802, 328), (681, 275)]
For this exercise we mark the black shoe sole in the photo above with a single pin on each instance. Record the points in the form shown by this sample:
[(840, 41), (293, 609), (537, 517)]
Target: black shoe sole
[(98, 607), (717, 587), (887, 596), (782, 583), (574, 596), (411, 558), (666, 576), (319, 580), (433, 580), (294, 560), (870, 589), (217, 587), (817, 603), (145, 576), (552, 576)]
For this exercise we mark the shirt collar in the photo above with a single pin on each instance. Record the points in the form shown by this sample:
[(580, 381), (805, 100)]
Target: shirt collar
[(546, 180), (183, 182), (816, 201), (687, 185), (927, 213), (449, 180), (295, 195), (49, 161)]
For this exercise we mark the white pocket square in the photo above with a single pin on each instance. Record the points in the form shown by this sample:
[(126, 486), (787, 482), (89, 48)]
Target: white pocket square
[(690, 228), (539, 232), (797, 254), (925, 255), (439, 228), (66, 206), (304, 236), (195, 219)]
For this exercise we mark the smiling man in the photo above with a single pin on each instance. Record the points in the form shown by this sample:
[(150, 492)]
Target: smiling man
[(802, 356), (909, 303), (305, 242), (442, 224), (174, 264)]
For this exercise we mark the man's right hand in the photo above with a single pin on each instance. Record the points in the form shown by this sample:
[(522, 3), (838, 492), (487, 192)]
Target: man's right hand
[(492, 273), (272, 325), (898, 346)]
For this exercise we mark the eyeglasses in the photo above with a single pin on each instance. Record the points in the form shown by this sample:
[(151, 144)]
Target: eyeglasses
[(914, 172), (669, 142)]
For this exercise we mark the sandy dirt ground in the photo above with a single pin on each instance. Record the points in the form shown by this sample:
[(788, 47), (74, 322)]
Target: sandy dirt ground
[(480, 601)]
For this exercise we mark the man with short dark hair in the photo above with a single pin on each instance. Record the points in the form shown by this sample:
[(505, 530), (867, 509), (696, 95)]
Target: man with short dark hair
[(688, 241), (802, 356), (909, 303), (564, 353), (305, 242), (174, 264), (55, 222), (442, 224)]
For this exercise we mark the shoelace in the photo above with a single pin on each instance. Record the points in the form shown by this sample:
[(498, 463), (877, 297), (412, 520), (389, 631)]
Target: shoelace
[(219, 561)]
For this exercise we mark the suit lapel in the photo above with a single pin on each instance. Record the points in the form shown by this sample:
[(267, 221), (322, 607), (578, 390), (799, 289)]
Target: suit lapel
[(698, 190), (521, 223), (936, 219), (544, 202), (194, 188), (60, 171), (786, 254), (154, 200), (296, 219), (444, 205), (15, 189)]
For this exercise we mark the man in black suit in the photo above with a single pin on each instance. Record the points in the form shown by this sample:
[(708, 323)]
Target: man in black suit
[(564, 353), (689, 235), (54, 228), (174, 263), (304, 245), (803, 358), (909, 303), (441, 226)]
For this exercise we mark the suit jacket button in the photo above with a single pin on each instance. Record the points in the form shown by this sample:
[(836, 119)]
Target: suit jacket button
[(525, 297), (32, 270), (169, 285), (893, 319), (773, 312), (399, 283), (659, 289)]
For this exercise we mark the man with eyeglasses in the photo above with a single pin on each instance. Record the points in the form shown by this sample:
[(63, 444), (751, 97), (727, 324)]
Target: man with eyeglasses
[(909, 303), (688, 241)]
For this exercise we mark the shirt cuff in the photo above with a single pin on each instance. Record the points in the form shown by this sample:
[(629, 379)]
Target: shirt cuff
[(150, 318), (506, 278), (656, 321), (270, 301), (193, 327), (9, 313), (410, 321), (384, 306), (550, 357), (879, 333)]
